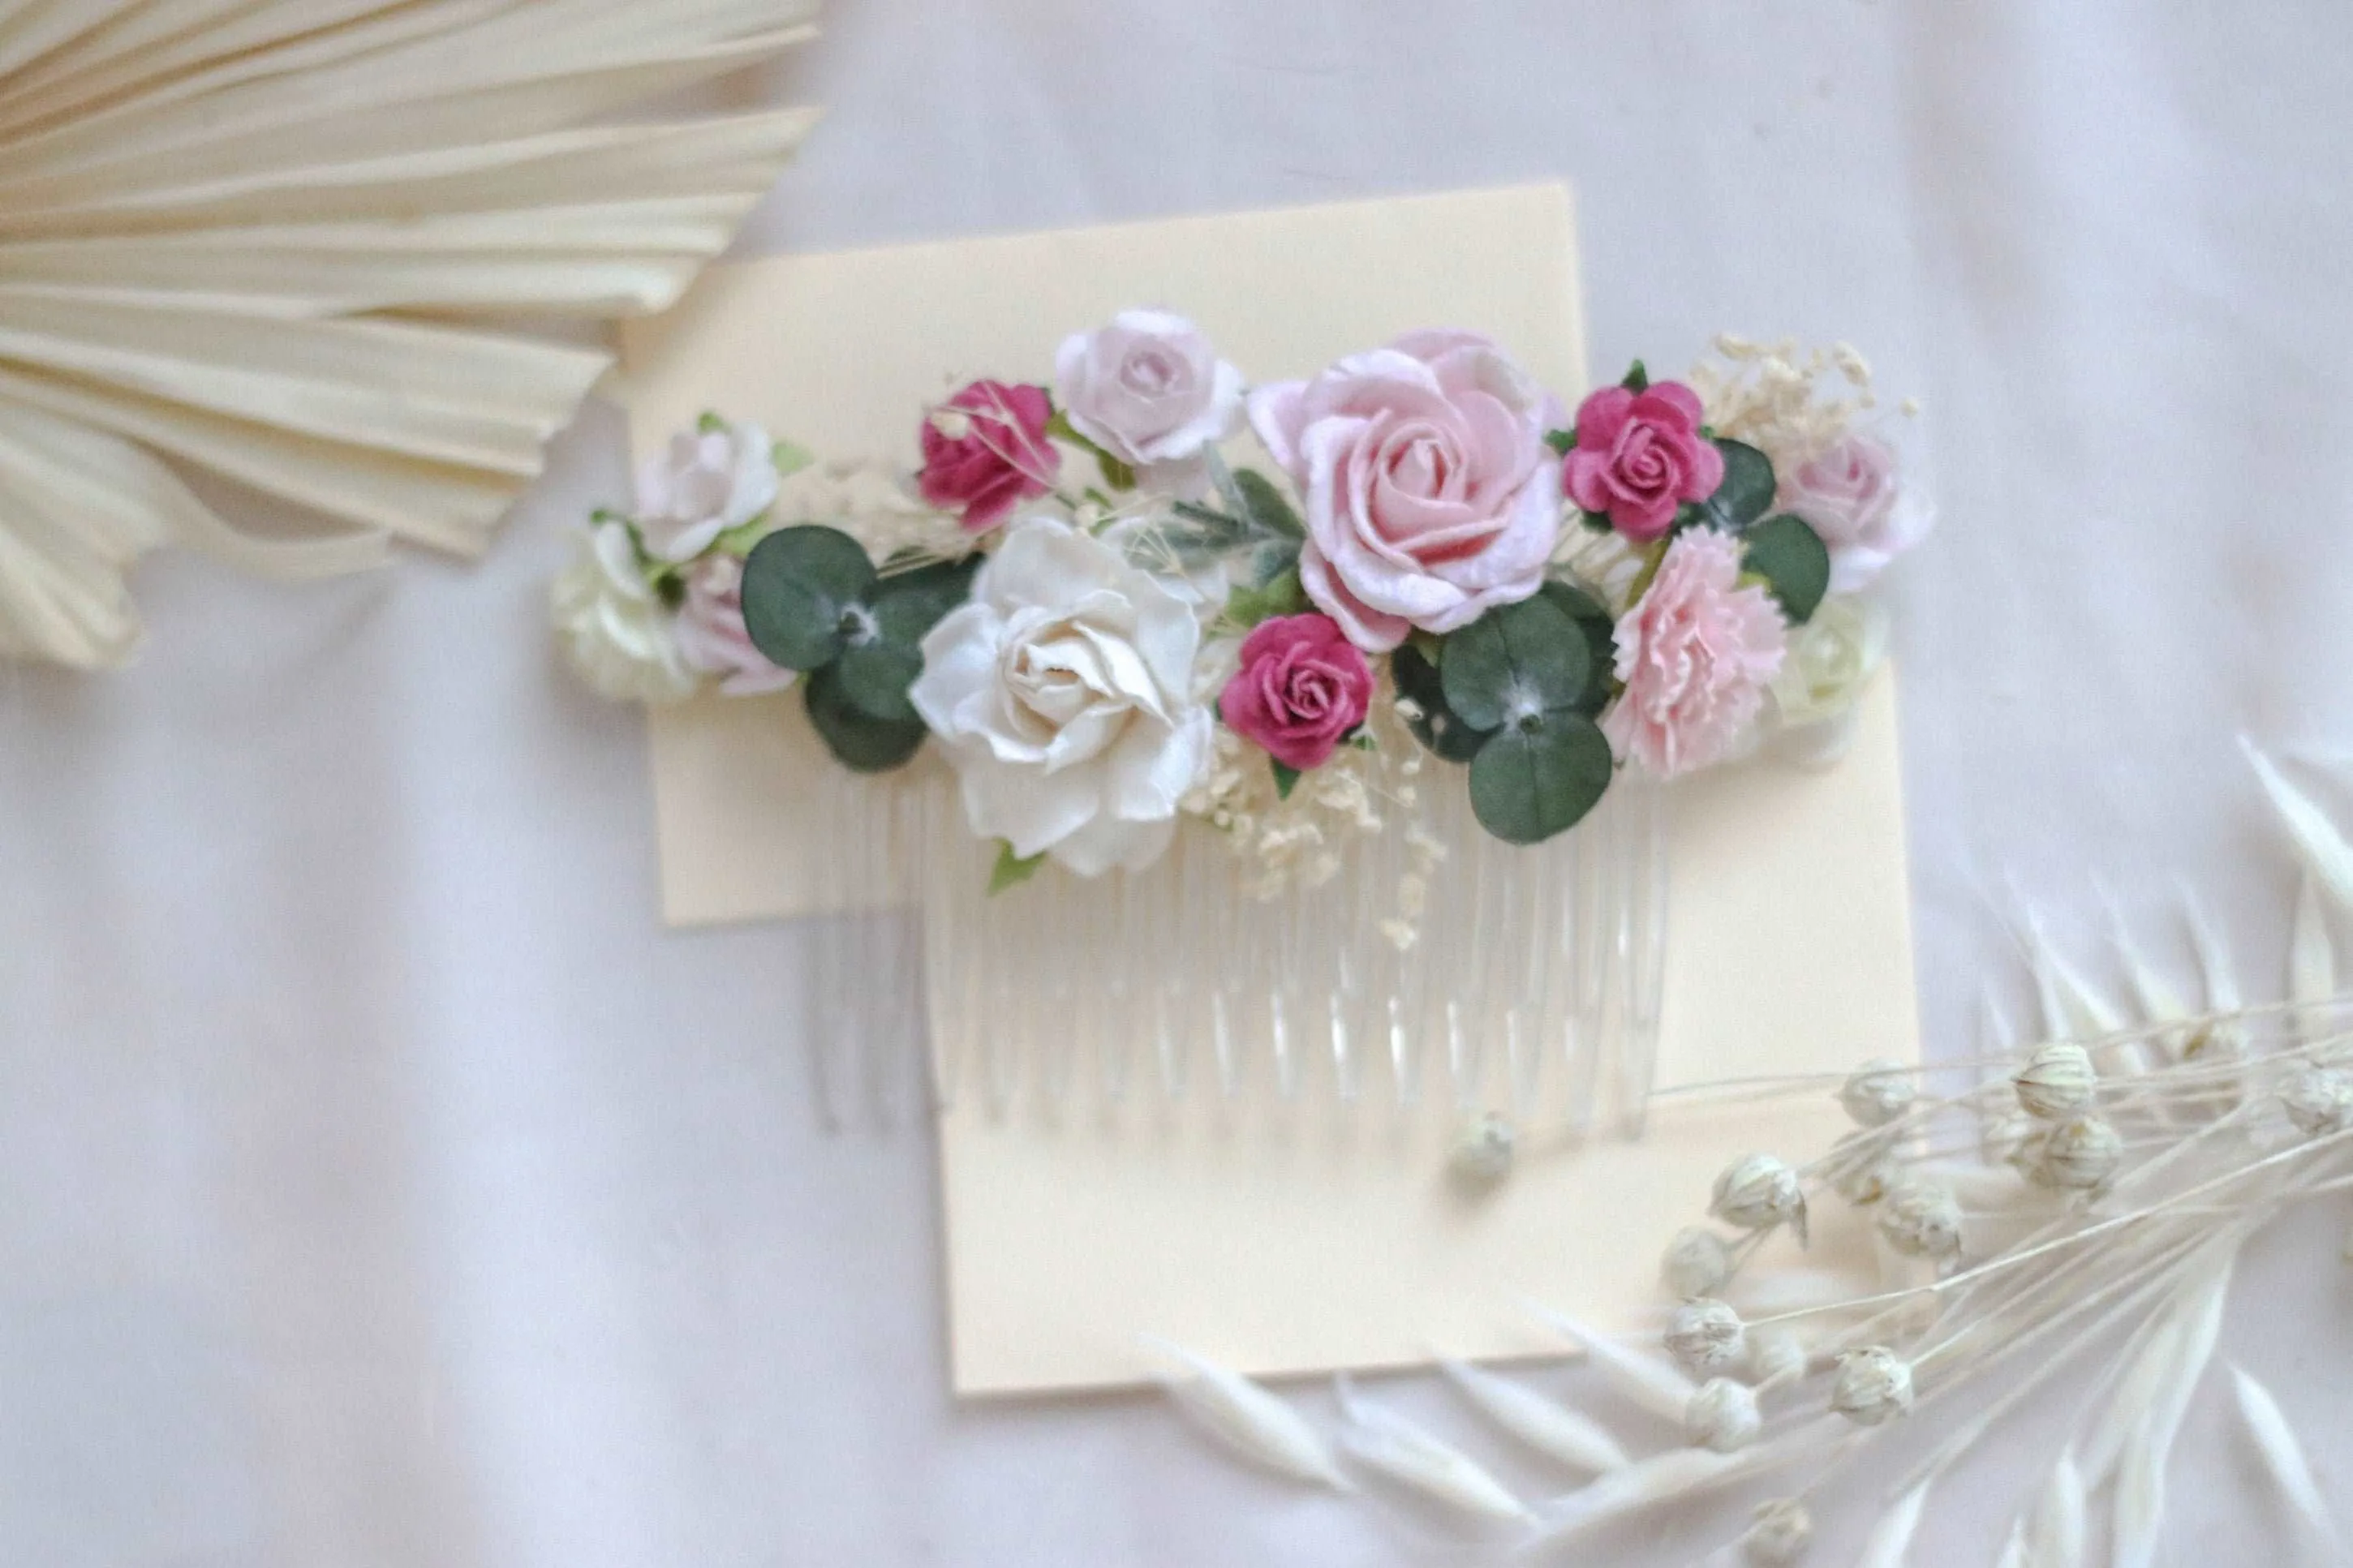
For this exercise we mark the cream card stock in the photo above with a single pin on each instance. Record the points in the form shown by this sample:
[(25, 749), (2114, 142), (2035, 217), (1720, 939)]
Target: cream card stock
[(1278, 1236)]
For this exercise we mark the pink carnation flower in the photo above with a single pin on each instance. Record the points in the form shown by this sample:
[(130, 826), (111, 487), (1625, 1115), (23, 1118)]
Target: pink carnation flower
[(1695, 655), (1640, 456)]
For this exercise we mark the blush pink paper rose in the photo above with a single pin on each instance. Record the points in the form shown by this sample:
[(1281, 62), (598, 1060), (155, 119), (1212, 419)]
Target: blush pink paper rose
[(1640, 456), (1851, 497), (709, 629), (1695, 655), (1429, 494), (985, 452), (1303, 687)]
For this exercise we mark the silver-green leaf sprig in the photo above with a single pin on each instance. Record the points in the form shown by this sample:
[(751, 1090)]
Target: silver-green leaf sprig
[(814, 602)]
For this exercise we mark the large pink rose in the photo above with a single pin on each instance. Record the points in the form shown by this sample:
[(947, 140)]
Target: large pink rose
[(1428, 495), (1301, 688), (1695, 655), (1640, 456), (985, 452), (1852, 495)]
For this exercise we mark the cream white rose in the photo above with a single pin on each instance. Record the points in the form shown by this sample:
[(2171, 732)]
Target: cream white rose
[(1063, 693), (706, 481), (1832, 659), (621, 639)]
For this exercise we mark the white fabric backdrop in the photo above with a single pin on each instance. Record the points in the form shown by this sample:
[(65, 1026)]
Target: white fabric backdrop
[(378, 1186)]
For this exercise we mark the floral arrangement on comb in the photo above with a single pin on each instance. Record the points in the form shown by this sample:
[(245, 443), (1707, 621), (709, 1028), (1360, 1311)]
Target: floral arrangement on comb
[(1104, 628)]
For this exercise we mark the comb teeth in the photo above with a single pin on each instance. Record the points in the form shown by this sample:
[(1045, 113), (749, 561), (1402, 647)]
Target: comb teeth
[(1533, 984)]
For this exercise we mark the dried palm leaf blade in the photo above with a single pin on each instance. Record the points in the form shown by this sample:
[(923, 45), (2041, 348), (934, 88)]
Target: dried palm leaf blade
[(288, 241)]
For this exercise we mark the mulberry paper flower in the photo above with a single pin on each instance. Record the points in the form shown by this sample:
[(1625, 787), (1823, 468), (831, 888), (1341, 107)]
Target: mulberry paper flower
[(1149, 390), (1428, 493), (703, 483), (1062, 694), (1694, 654)]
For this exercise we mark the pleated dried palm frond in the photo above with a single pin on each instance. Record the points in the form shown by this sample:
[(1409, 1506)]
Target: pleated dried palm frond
[(285, 241)]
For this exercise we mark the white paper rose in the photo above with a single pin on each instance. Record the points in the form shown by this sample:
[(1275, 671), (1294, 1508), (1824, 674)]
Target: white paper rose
[(1149, 390), (620, 637), (706, 481), (1063, 693), (1832, 659)]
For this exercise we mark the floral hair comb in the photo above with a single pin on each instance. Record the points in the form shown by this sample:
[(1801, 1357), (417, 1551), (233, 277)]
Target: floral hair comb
[(1104, 628)]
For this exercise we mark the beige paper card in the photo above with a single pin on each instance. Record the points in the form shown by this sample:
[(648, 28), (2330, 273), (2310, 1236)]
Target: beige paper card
[(1302, 1236)]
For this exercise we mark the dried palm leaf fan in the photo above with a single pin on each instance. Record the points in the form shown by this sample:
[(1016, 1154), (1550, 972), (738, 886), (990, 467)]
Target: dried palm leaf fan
[(270, 239)]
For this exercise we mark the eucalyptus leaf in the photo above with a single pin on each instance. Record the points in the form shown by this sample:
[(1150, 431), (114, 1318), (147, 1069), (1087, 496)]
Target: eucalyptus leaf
[(859, 741), (1742, 497), (1600, 629), (1539, 776), (1790, 556), (1012, 870), (1515, 660), (940, 586), (800, 586), (883, 652), (1439, 726)]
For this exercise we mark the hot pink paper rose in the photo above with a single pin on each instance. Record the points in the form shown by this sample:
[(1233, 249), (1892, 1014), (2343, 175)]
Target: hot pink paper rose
[(1640, 456), (985, 452), (1428, 494), (1852, 495), (1301, 688), (709, 629), (1695, 655)]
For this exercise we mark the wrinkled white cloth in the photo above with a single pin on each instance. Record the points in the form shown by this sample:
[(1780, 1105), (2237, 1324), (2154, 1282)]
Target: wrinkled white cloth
[(380, 1186)]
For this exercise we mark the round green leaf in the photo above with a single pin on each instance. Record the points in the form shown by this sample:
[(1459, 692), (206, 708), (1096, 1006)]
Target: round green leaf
[(1439, 727), (1600, 629), (1745, 492), (1790, 556), (1539, 776), (799, 584), (861, 742), (1514, 660)]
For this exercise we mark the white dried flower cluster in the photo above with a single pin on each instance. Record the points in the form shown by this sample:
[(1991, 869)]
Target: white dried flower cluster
[(1482, 1149), (2319, 1101), (1878, 1092), (870, 502), (1299, 841), (1705, 1335), (1780, 398), (2057, 1081), (1758, 1192), (1778, 1535), (2080, 1155), (1874, 1385), (1922, 1219), (1723, 1415), (1697, 1262)]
